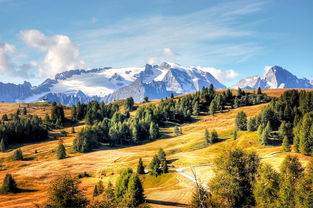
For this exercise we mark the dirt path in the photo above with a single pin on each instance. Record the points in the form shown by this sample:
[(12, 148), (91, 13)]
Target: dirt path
[(181, 172)]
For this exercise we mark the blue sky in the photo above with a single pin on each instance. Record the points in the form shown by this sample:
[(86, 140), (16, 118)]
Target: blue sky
[(39, 38)]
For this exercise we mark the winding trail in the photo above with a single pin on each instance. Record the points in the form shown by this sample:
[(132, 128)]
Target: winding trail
[(180, 171)]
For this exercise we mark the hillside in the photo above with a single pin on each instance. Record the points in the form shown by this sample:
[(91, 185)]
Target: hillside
[(168, 190)]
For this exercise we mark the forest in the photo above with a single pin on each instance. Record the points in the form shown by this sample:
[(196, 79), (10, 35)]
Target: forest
[(287, 120), (106, 124)]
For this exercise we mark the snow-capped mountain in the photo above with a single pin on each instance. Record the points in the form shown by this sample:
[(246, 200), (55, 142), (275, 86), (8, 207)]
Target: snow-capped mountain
[(275, 77), (109, 84)]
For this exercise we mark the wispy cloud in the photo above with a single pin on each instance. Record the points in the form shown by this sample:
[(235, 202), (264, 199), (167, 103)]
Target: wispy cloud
[(198, 37)]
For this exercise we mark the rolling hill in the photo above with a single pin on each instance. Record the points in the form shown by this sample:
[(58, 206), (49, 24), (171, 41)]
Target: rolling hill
[(169, 190)]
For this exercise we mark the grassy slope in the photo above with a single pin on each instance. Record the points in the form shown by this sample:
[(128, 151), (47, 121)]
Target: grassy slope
[(170, 189)]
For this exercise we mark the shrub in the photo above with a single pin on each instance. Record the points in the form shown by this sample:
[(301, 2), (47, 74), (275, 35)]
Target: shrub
[(17, 155), (64, 192), (9, 185)]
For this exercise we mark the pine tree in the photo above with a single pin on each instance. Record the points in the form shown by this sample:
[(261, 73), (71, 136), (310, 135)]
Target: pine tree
[(61, 152), (232, 185), (163, 161), (154, 131), (140, 167), (134, 195), (2, 146), (206, 137), (239, 91), (201, 198), (64, 192), (266, 187), (155, 166), (236, 102), (285, 129), (24, 111), (259, 92), (266, 133), (241, 121), (212, 108), (108, 196), (181, 131), (162, 154), (195, 109), (129, 103), (73, 130), (17, 155), (145, 99), (252, 126), (9, 185), (291, 170), (98, 189), (213, 137), (122, 183), (164, 167), (286, 145), (306, 134), (17, 112), (304, 189), (176, 131), (5, 117), (235, 134)]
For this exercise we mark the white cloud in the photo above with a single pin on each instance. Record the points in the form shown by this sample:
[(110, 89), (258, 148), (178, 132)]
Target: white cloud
[(61, 53), (6, 64), (168, 52), (220, 75)]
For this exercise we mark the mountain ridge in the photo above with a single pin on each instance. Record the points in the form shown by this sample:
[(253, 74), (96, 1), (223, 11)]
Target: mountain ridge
[(108, 84), (276, 77), (154, 81)]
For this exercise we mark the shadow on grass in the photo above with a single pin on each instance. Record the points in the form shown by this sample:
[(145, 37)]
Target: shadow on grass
[(21, 190), (171, 161), (28, 158), (18, 190), (167, 203)]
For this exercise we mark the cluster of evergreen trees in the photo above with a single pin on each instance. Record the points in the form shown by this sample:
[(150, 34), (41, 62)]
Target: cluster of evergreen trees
[(210, 138), (22, 130), (242, 181), (128, 192), (93, 112), (120, 129), (288, 119), (158, 164)]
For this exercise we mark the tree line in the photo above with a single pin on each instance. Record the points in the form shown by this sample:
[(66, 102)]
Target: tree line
[(22, 130), (106, 123)]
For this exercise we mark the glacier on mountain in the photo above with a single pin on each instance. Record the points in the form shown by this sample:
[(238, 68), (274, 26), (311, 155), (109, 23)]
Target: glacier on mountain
[(109, 84)]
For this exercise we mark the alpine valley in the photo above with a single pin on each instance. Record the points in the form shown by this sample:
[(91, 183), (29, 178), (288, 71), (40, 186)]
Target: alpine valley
[(153, 81)]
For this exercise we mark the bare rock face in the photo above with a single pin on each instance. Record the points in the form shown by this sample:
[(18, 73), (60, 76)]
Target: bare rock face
[(12, 93)]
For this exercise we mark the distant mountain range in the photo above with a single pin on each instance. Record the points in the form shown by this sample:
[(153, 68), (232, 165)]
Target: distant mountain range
[(154, 81), (275, 77), (109, 84)]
